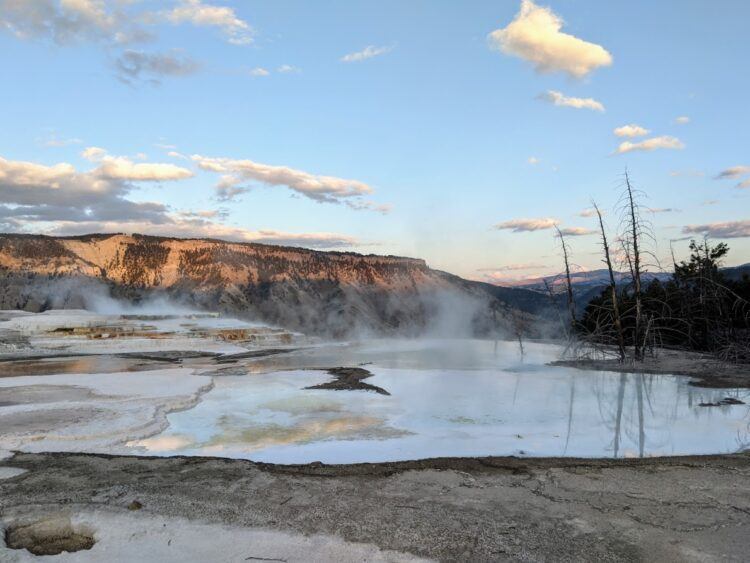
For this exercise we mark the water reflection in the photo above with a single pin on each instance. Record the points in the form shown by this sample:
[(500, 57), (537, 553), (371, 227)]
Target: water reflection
[(457, 398)]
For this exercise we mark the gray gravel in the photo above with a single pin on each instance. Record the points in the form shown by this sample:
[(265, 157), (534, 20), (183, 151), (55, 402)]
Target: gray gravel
[(485, 509)]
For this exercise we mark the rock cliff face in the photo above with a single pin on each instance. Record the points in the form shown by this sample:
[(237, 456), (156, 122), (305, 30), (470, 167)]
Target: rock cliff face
[(330, 293)]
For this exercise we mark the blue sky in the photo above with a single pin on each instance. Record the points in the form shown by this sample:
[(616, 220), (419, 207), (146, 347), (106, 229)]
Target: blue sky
[(438, 136)]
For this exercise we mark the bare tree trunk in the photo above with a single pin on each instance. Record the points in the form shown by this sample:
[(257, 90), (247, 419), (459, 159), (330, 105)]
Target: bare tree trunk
[(613, 287), (568, 283), (636, 266)]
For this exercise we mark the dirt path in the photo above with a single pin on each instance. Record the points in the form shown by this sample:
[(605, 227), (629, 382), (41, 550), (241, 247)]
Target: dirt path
[(488, 509)]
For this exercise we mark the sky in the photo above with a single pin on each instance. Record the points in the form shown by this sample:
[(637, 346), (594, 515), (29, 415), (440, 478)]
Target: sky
[(457, 132)]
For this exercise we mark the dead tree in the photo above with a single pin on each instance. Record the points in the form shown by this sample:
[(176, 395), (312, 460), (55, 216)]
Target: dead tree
[(633, 254), (568, 283), (613, 287)]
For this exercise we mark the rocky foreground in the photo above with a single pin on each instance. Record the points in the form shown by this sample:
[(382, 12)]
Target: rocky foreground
[(488, 509)]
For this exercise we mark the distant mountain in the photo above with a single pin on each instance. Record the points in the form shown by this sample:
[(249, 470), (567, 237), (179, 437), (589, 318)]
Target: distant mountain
[(585, 280), (589, 284), (321, 292), (737, 273)]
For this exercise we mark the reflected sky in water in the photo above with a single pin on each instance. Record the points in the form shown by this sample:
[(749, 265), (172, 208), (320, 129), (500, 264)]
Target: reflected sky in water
[(450, 398)]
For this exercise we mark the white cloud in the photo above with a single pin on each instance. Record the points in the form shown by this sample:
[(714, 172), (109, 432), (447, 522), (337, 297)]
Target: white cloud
[(560, 99), (533, 160), (31, 193), (235, 30), (259, 71), (367, 53), (631, 130), (93, 154), (235, 173), (728, 229), (122, 168), (535, 35), (682, 120), (288, 69), (662, 142), (526, 225)]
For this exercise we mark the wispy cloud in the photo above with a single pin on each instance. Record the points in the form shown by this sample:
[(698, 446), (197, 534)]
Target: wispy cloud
[(535, 35), (236, 174), (654, 143), (55, 141), (728, 229), (682, 120), (71, 21), (259, 71), (116, 24), (522, 266), (288, 69), (133, 67), (59, 199), (590, 212), (663, 210), (367, 53), (631, 130), (236, 30), (560, 99), (693, 173), (198, 227), (733, 172), (533, 160), (527, 225), (577, 231)]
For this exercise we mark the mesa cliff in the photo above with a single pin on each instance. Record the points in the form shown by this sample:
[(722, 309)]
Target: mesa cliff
[(329, 293)]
